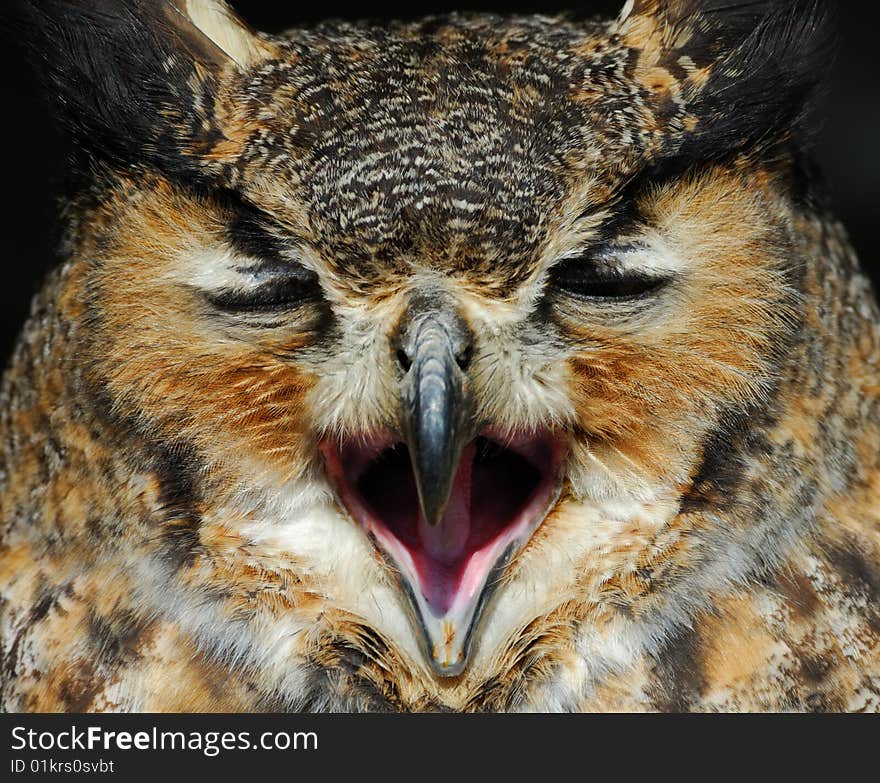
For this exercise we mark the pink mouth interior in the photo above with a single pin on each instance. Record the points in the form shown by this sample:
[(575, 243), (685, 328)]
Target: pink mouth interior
[(497, 494)]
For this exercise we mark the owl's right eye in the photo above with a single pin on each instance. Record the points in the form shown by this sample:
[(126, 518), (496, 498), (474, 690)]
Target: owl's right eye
[(269, 278), (287, 288)]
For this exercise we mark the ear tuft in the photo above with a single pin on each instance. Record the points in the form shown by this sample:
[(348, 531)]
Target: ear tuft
[(220, 25), (137, 81), (727, 75)]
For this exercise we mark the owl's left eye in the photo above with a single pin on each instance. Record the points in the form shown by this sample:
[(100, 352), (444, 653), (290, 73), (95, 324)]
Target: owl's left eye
[(587, 278)]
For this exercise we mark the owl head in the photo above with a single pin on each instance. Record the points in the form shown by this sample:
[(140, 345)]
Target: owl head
[(446, 327)]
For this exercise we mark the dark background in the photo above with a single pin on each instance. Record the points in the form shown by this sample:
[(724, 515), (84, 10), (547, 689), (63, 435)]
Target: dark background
[(34, 153)]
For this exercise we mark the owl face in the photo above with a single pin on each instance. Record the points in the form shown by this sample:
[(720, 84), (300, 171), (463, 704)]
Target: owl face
[(443, 320)]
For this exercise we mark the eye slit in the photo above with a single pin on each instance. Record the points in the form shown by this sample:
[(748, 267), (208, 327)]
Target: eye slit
[(278, 294), (585, 278)]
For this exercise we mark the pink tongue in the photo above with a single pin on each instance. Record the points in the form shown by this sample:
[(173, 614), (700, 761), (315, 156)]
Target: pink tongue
[(444, 547)]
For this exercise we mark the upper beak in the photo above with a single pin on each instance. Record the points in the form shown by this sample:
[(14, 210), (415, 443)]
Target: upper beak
[(437, 408)]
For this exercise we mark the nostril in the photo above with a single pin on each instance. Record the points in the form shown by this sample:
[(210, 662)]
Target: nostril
[(464, 356), (403, 360)]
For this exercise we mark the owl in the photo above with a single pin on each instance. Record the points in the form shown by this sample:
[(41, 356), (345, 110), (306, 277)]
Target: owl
[(474, 363)]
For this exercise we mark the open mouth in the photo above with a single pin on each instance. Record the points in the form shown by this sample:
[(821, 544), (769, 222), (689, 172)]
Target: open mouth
[(501, 492)]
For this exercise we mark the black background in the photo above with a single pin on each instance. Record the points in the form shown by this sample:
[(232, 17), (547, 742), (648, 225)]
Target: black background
[(34, 152)]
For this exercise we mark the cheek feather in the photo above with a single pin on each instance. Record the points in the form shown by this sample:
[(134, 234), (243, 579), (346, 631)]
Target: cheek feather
[(356, 384), (232, 398), (645, 389)]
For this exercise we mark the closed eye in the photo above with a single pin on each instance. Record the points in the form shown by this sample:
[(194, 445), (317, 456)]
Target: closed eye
[(276, 283), (300, 286), (585, 277)]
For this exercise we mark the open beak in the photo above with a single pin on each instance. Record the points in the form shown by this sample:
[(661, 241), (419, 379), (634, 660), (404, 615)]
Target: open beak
[(447, 503)]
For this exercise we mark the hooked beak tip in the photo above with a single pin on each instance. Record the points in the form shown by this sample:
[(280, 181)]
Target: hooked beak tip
[(433, 513)]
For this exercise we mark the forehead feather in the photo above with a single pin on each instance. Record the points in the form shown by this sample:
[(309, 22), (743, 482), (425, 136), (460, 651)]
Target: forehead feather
[(457, 134)]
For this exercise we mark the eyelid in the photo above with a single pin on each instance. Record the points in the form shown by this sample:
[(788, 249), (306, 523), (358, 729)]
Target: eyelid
[(274, 294), (273, 268), (602, 250), (649, 256), (598, 276)]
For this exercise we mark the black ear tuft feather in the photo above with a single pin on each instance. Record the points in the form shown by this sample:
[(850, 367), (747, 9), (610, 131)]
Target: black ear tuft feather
[(134, 80), (765, 60), (764, 87)]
